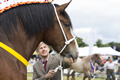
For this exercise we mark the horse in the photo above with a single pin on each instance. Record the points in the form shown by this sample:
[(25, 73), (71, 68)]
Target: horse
[(23, 27), (84, 66)]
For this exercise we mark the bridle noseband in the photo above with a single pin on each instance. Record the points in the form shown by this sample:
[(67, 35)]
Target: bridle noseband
[(98, 61)]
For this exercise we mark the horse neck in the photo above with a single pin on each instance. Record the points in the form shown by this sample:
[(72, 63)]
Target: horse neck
[(22, 43), (93, 59), (90, 57)]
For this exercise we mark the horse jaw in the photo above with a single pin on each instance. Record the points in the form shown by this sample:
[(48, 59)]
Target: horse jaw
[(61, 58)]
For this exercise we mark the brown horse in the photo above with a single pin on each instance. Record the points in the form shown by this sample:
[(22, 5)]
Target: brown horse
[(23, 27), (84, 66)]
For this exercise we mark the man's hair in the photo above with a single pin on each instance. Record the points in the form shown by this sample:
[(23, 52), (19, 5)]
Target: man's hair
[(109, 57), (41, 44)]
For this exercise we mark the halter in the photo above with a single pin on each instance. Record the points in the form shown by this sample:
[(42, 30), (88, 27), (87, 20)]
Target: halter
[(66, 40), (98, 61)]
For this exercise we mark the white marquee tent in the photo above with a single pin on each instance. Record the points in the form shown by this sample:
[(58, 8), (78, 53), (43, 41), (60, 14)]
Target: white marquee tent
[(103, 51)]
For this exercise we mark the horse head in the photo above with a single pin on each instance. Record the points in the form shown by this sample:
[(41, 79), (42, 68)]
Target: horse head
[(99, 59), (57, 37)]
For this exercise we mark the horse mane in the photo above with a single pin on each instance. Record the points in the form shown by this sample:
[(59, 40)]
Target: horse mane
[(33, 17), (88, 57)]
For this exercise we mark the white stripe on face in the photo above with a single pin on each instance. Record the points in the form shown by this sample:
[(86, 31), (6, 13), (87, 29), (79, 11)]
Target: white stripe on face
[(74, 39), (101, 57)]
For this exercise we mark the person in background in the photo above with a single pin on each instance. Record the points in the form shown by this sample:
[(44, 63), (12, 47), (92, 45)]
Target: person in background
[(118, 68), (110, 66), (119, 59), (34, 60), (44, 69), (104, 60), (98, 70)]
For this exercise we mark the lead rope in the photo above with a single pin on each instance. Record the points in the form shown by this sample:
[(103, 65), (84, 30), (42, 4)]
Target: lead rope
[(91, 63), (59, 68)]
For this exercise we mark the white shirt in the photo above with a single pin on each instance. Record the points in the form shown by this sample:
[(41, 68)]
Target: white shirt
[(34, 61), (109, 65), (43, 60)]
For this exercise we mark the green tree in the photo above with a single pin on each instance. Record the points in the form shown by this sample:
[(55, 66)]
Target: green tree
[(100, 44), (111, 43), (80, 42), (114, 43)]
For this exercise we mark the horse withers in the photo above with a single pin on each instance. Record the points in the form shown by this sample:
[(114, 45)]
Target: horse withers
[(84, 66), (24, 26)]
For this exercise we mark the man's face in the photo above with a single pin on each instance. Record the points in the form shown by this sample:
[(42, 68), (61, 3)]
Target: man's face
[(110, 59), (43, 50)]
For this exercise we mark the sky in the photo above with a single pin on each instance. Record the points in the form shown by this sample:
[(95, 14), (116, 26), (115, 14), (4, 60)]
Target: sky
[(102, 17)]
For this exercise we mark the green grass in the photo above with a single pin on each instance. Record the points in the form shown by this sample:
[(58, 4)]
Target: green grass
[(29, 77)]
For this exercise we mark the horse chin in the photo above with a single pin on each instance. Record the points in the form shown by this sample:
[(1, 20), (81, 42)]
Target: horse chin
[(70, 57), (101, 65), (69, 60)]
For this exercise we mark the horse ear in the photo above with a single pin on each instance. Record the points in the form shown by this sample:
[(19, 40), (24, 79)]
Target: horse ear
[(63, 7), (99, 53), (96, 55)]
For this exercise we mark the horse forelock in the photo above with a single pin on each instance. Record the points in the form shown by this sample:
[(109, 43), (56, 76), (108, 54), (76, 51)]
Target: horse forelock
[(33, 17)]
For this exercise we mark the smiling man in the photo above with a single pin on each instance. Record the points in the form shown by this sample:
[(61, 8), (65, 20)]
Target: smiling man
[(44, 69)]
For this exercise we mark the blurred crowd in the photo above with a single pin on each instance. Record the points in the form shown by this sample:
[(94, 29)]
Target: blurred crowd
[(111, 68)]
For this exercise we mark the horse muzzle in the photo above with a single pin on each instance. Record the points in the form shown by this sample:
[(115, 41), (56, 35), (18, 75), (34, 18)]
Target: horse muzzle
[(102, 65), (71, 58)]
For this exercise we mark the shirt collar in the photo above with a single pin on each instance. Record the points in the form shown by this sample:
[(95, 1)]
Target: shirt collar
[(45, 60)]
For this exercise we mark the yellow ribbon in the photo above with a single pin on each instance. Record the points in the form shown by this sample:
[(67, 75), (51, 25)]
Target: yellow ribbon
[(14, 53)]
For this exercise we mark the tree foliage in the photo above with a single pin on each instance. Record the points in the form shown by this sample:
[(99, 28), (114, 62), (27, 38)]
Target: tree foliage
[(100, 44), (80, 42), (110, 44)]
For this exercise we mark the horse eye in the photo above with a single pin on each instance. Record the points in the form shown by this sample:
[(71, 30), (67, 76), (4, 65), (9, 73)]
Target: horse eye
[(67, 25)]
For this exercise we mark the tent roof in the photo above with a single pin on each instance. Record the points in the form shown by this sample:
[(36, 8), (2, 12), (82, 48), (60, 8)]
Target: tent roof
[(102, 50)]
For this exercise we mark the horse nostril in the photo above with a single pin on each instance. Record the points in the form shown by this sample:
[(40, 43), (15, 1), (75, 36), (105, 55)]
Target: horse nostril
[(72, 57)]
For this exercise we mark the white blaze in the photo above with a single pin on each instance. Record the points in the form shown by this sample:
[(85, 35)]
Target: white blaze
[(74, 39)]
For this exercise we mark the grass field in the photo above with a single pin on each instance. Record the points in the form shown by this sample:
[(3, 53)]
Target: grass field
[(29, 77)]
